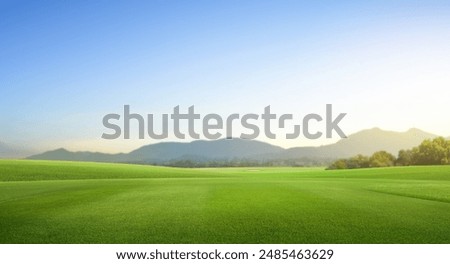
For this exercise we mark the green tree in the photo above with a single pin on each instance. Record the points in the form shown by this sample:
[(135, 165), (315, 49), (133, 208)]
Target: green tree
[(432, 152), (338, 165), (359, 161), (356, 162), (405, 158), (381, 159)]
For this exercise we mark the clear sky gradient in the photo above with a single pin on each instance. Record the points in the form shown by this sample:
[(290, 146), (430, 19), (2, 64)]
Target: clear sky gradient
[(65, 64)]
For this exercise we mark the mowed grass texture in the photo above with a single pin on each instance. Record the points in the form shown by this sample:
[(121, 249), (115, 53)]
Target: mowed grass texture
[(74, 202)]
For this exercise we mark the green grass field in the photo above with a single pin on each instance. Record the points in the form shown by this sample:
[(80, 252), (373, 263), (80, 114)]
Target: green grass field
[(70, 202)]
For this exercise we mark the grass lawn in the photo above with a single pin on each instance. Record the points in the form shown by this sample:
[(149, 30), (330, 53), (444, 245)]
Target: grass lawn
[(76, 202)]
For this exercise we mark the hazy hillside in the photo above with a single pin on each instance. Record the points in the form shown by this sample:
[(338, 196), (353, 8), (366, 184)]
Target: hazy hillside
[(364, 142), (201, 149), (63, 154), (368, 141), (4, 150), (10, 151)]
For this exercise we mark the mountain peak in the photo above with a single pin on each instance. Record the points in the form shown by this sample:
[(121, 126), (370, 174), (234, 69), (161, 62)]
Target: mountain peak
[(414, 129), (368, 141), (61, 149), (417, 131)]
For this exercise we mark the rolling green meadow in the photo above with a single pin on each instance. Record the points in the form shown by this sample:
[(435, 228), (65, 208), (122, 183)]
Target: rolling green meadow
[(82, 202)]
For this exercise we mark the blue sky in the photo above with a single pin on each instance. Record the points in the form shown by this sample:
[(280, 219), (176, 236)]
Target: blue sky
[(65, 64)]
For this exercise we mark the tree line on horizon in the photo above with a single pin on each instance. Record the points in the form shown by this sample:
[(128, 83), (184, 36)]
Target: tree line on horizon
[(301, 162), (430, 152)]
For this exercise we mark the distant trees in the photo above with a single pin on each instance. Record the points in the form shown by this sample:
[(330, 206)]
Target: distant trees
[(404, 158), (378, 159), (358, 161), (382, 159), (429, 152), (239, 162), (339, 164)]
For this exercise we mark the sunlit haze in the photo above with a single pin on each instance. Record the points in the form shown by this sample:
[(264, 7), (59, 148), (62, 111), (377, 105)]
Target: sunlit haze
[(64, 65)]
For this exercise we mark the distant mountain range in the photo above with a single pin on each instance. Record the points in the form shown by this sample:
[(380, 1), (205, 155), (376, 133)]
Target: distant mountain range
[(4, 150), (11, 151), (364, 142)]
